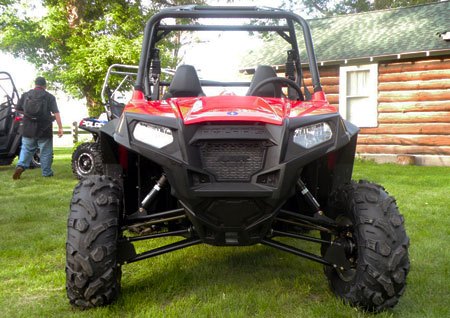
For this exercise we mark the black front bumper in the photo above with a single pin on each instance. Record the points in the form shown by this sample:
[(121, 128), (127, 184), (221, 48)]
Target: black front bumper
[(233, 178)]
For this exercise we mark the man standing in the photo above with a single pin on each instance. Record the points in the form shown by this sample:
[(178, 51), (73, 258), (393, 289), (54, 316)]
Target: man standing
[(39, 108)]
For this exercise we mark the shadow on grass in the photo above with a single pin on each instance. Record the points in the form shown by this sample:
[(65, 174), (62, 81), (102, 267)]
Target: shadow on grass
[(206, 271)]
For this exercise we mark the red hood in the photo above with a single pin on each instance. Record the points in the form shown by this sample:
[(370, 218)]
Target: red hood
[(231, 108), (235, 108)]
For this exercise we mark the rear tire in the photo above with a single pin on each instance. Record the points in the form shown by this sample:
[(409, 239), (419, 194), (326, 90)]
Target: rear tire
[(87, 160), (6, 161), (36, 160), (373, 227), (92, 271)]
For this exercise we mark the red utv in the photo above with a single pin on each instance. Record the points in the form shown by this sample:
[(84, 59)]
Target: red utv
[(87, 156), (10, 123), (190, 157)]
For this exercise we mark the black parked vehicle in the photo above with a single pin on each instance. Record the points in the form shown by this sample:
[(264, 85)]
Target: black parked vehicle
[(10, 121), (233, 170), (87, 157)]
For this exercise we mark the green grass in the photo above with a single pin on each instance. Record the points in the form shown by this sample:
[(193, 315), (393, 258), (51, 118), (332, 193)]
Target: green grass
[(205, 281)]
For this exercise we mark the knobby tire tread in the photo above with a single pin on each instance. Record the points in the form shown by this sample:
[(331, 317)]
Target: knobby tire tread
[(92, 272), (382, 243)]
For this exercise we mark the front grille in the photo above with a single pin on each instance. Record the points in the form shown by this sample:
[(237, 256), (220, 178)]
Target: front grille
[(232, 160)]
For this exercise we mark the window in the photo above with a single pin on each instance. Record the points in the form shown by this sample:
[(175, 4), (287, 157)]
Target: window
[(358, 94)]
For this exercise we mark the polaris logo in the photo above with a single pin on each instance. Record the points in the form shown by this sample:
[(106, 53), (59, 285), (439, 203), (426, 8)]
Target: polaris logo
[(233, 159), (92, 124)]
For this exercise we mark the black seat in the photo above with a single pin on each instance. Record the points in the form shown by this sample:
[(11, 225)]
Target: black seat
[(263, 72), (185, 83)]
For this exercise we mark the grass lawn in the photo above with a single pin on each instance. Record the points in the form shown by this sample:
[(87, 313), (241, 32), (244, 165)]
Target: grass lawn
[(205, 281)]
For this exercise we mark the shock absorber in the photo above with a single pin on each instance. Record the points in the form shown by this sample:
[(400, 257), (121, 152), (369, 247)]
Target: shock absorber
[(155, 70), (290, 72), (312, 201), (152, 194), (156, 65), (308, 196)]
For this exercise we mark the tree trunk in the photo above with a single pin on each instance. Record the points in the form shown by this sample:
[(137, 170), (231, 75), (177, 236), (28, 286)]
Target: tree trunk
[(94, 106)]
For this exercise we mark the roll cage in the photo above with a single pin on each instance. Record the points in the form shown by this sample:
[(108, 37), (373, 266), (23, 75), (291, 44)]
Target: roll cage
[(148, 76), (8, 89)]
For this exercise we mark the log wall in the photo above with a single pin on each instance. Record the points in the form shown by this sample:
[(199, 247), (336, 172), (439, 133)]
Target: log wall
[(413, 107), (329, 78)]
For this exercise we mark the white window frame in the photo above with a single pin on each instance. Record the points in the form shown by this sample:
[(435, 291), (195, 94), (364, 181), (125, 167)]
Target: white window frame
[(370, 118)]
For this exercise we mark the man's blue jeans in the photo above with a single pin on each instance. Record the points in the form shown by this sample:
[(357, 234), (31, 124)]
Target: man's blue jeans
[(29, 146)]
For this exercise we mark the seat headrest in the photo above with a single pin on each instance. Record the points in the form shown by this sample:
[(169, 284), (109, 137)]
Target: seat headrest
[(263, 72), (185, 83)]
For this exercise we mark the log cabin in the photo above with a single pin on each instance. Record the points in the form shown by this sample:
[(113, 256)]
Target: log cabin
[(388, 72)]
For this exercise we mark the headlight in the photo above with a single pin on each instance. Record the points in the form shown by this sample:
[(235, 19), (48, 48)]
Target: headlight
[(156, 136), (313, 135)]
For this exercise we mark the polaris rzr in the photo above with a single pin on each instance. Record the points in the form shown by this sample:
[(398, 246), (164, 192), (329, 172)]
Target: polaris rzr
[(190, 157), (87, 157), (10, 122)]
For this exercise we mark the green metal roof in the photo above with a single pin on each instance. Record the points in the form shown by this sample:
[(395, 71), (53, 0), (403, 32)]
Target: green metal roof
[(382, 34)]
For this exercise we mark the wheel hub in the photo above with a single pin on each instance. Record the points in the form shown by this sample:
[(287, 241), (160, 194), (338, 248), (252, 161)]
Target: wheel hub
[(349, 249), (85, 163), (342, 252)]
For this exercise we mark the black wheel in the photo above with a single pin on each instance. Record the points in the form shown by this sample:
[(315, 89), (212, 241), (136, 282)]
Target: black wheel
[(36, 160), (376, 245), (87, 160), (6, 161), (92, 272)]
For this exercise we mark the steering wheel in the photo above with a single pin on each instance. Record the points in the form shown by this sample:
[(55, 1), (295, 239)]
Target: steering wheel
[(273, 80)]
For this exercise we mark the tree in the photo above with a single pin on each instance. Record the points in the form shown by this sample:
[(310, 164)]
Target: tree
[(332, 7), (73, 42)]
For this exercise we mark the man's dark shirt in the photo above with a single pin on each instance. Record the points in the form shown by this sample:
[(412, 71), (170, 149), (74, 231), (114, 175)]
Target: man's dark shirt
[(45, 125)]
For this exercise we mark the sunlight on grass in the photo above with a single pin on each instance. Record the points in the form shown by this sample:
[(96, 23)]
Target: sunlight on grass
[(206, 281)]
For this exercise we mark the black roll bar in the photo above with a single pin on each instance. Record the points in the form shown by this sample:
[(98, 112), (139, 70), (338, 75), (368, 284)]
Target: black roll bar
[(233, 12), (13, 95), (194, 27)]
